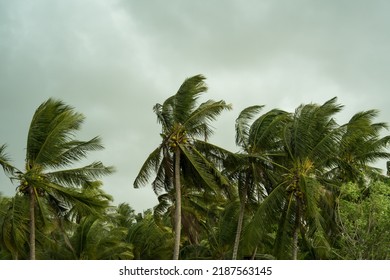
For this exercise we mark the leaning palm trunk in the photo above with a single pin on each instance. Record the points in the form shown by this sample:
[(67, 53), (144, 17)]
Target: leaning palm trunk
[(296, 231), (239, 229), (32, 223), (50, 147), (182, 122), (177, 227), (254, 253)]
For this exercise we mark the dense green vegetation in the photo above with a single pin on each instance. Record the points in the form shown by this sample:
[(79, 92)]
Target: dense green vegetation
[(300, 186)]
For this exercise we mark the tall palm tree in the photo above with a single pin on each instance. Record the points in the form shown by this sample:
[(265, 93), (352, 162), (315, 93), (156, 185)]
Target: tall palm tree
[(50, 148), (259, 142), (360, 146), (14, 227), (310, 139), (182, 124), (310, 142)]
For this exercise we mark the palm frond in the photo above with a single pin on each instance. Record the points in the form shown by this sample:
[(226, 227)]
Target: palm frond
[(204, 168), (243, 126), (186, 97), (165, 202), (283, 244), (310, 124), (76, 150), (150, 165), (14, 226), (51, 129), (265, 132), (315, 234), (215, 154), (164, 113), (265, 218), (164, 176), (227, 225), (79, 202), (5, 162), (204, 114), (79, 176)]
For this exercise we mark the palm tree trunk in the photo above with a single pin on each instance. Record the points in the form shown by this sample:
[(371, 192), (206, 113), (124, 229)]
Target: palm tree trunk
[(177, 227), (296, 230), (254, 253), (32, 223), (239, 229)]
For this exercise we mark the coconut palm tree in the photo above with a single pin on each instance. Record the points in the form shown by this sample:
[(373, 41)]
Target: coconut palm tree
[(183, 123), (309, 141), (361, 145), (259, 142), (50, 148)]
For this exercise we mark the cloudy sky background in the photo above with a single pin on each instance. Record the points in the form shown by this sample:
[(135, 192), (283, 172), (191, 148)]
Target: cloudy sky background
[(113, 60)]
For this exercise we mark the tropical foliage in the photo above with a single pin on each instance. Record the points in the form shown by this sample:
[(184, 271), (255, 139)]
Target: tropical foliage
[(299, 186)]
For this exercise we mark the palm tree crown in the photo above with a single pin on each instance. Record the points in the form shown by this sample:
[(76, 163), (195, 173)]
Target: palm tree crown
[(183, 123), (50, 148)]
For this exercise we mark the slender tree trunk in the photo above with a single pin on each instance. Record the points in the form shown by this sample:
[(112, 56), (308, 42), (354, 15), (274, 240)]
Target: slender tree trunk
[(296, 230), (254, 253), (66, 237), (177, 227), (32, 223), (239, 228)]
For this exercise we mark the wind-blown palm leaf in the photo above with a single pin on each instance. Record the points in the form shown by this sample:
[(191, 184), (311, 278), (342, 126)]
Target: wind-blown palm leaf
[(243, 126), (5, 161), (164, 176), (264, 133), (14, 226), (213, 153), (360, 145), (150, 241), (150, 165), (265, 217), (186, 97), (76, 150), (165, 204), (310, 125), (207, 171), (164, 113), (96, 239), (124, 215), (283, 245), (86, 202), (80, 176), (314, 230), (50, 146), (204, 114), (52, 127)]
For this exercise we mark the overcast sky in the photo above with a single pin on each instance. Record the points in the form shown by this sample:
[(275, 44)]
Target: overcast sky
[(113, 60)]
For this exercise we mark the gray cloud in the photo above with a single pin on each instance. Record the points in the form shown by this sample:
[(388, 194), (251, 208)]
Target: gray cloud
[(113, 60)]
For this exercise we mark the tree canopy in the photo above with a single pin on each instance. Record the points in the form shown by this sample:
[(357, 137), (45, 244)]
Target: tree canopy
[(300, 186)]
